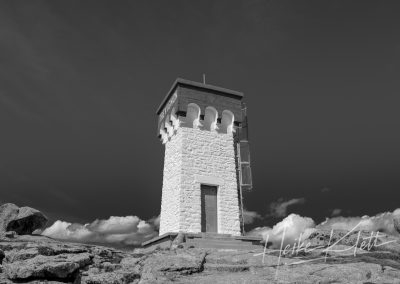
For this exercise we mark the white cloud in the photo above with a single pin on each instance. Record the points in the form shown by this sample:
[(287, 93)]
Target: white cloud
[(279, 208), (296, 225), (250, 216), (64, 230), (155, 221), (115, 225), (289, 229), (381, 222), (116, 231), (336, 212)]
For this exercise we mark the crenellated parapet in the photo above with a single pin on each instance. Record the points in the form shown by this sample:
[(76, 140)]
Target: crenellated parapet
[(210, 120), (200, 106)]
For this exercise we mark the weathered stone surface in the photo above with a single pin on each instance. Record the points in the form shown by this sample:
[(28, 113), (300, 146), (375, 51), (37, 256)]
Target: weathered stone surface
[(165, 266), (4, 279), (37, 259), (2, 255), (8, 212), (10, 234), (113, 268), (62, 266), (396, 223), (21, 220), (27, 221), (20, 255), (127, 271), (177, 242)]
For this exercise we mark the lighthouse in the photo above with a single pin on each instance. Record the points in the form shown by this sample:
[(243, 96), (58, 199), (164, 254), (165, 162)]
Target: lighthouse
[(207, 161)]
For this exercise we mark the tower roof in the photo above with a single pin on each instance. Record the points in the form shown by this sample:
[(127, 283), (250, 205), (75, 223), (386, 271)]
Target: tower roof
[(204, 87)]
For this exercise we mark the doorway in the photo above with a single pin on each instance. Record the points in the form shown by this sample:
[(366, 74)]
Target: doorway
[(209, 214)]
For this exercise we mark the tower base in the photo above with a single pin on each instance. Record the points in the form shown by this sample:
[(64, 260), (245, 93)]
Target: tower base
[(206, 240)]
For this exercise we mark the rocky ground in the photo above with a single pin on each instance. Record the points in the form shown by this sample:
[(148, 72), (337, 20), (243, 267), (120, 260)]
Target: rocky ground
[(38, 259)]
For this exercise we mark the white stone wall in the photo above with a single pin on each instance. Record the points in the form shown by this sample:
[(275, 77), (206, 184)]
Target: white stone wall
[(170, 207), (194, 157)]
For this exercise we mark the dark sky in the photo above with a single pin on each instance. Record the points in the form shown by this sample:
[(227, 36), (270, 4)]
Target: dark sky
[(80, 82)]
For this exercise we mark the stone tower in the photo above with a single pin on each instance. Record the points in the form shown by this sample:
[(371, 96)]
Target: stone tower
[(207, 163)]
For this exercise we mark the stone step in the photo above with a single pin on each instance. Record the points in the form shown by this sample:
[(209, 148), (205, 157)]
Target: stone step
[(221, 241), (224, 241), (207, 240), (215, 241), (209, 236), (218, 240), (224, 245)]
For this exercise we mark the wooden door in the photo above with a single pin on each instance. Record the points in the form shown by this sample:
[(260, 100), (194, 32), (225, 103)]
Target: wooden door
[(209, 217)]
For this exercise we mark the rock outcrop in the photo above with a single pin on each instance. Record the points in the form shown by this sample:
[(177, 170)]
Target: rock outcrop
[(38, 259), (21, 220), (8, 212), (396, 223)]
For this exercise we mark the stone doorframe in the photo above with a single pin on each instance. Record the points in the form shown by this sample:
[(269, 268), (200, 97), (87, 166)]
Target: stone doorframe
[(213, 181)]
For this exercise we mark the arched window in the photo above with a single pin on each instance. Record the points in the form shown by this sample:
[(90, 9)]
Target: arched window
[(227, 122), (164, 136), (193, 115), (210, 118), (174, 119), (168, 126)]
